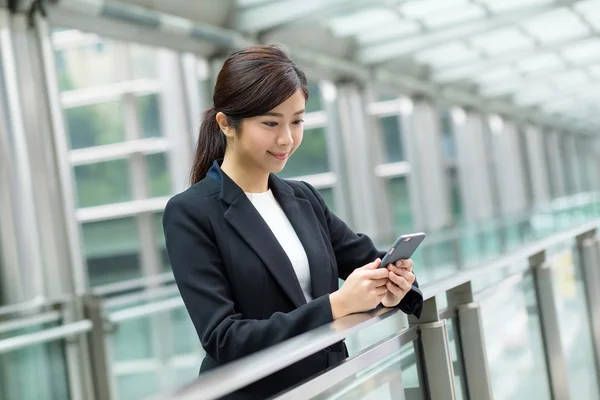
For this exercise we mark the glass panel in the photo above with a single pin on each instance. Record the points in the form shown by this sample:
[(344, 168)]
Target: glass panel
[(328, 196), (36, 372), (514, 343), (455, 194), (144, 61), (112, 250), (95, 125), (574, 324), (391, 140), (91, 65), (400, 203), (395, 373), (149, 115), (160, 236), (310, 157), (103, 183), (455, 350), (138, 386), (160, 180), (185, 339), (314, 98), (132, 340)]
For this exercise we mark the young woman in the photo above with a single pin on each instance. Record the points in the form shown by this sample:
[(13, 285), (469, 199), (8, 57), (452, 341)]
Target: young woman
[(257, 258)]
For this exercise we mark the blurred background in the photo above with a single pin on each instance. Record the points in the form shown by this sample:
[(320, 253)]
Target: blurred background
[(475, 121)]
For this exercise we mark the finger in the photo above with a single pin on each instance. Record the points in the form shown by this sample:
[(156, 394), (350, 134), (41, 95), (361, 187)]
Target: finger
[(395, 289), (408, 276), (379, 273), (404, 264), (400, 282), (372, 265), (381, 282), (381, 291)]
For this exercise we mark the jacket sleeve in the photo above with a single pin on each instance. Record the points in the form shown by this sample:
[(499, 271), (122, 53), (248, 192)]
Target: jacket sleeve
[(207, 294), (354, 250)]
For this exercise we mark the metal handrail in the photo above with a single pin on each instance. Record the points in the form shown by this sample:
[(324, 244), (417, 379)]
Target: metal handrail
[(20, 323), (145, 310), (445, 284), (138, 283), (32, 305), (211, 384), (47, 335)]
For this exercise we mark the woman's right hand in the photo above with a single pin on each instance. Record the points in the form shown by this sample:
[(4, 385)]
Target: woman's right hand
[(362, 291)]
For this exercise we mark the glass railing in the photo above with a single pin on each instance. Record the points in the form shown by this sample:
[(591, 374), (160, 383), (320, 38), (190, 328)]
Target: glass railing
[(518, 327), (143, 343)]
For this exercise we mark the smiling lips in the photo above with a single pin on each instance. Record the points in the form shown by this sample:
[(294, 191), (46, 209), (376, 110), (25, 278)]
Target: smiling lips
[(279, 156)]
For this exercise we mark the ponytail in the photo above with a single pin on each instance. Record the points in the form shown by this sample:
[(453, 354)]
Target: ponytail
[(210, 146)]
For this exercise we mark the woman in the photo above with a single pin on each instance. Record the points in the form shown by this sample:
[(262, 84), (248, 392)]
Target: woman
[(257, 258)]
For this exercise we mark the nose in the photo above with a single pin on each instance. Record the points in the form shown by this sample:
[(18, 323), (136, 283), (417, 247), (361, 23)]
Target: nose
[(285, 137)]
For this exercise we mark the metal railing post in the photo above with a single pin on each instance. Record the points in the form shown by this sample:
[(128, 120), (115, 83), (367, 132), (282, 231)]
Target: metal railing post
[(474, 352), (556, 363), (99, 354), (588, 246), (439, 371)]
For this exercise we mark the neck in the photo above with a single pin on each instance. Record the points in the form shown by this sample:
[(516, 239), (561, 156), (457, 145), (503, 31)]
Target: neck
[(249, 179)]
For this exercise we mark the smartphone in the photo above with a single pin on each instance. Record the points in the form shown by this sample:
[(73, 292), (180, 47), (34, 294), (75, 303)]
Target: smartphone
[(403, 248)]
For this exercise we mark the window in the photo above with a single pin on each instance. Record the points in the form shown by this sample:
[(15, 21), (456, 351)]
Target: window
[(112, 250), (329, 197), (149, 112), (88, 65), (95, 125), (310, 157), (314, 98), (158, 175), (400, 204), (391, 140), (447, 128), (103, 183)]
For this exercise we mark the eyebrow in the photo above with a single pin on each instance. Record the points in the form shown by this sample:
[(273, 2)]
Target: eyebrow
[(274, 114)]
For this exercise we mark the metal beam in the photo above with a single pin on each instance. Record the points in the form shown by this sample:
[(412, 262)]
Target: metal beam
[(473, 69), (272, 15), (404, 46)]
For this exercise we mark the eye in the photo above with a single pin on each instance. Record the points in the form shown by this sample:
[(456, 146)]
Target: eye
[(298, 122), (270, 124)]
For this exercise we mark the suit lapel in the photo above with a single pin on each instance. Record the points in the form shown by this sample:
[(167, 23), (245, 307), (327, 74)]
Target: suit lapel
[(248, 222), (302, 217)]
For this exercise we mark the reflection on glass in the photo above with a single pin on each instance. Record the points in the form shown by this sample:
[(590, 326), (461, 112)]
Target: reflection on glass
[(160, 180), (149, 112), (514, 343), (391, 140), (138, 385), (36, 372), (394, 374), (400, 202), (102, 183), (574, 324), (95, 125), (310, 157), (112, 250)]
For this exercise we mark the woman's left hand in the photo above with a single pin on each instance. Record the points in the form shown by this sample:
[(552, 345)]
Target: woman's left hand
[(400, 282)]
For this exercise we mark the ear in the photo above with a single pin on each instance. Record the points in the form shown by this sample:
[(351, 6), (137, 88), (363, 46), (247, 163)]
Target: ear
[(224, 125)]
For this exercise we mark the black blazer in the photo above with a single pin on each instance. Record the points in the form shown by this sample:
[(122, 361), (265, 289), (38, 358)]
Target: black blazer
[(237, 283)]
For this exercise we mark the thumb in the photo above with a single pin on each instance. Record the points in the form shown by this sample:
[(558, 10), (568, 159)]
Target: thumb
[(372, 265)]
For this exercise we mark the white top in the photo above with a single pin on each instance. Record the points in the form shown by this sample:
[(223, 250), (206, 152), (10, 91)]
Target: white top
[(271, 211)]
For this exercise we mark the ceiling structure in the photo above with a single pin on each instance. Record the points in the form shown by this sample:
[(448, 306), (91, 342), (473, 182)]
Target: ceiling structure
[(537, 60)]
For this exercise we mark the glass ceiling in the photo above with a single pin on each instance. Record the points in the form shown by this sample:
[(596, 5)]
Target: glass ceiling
[(539, 54), (542, 56)]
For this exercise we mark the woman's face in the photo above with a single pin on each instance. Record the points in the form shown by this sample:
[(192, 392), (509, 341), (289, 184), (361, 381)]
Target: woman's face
[(267, 141)]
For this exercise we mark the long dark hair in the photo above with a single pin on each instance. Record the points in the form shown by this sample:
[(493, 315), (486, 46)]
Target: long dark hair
[(251, 82)]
